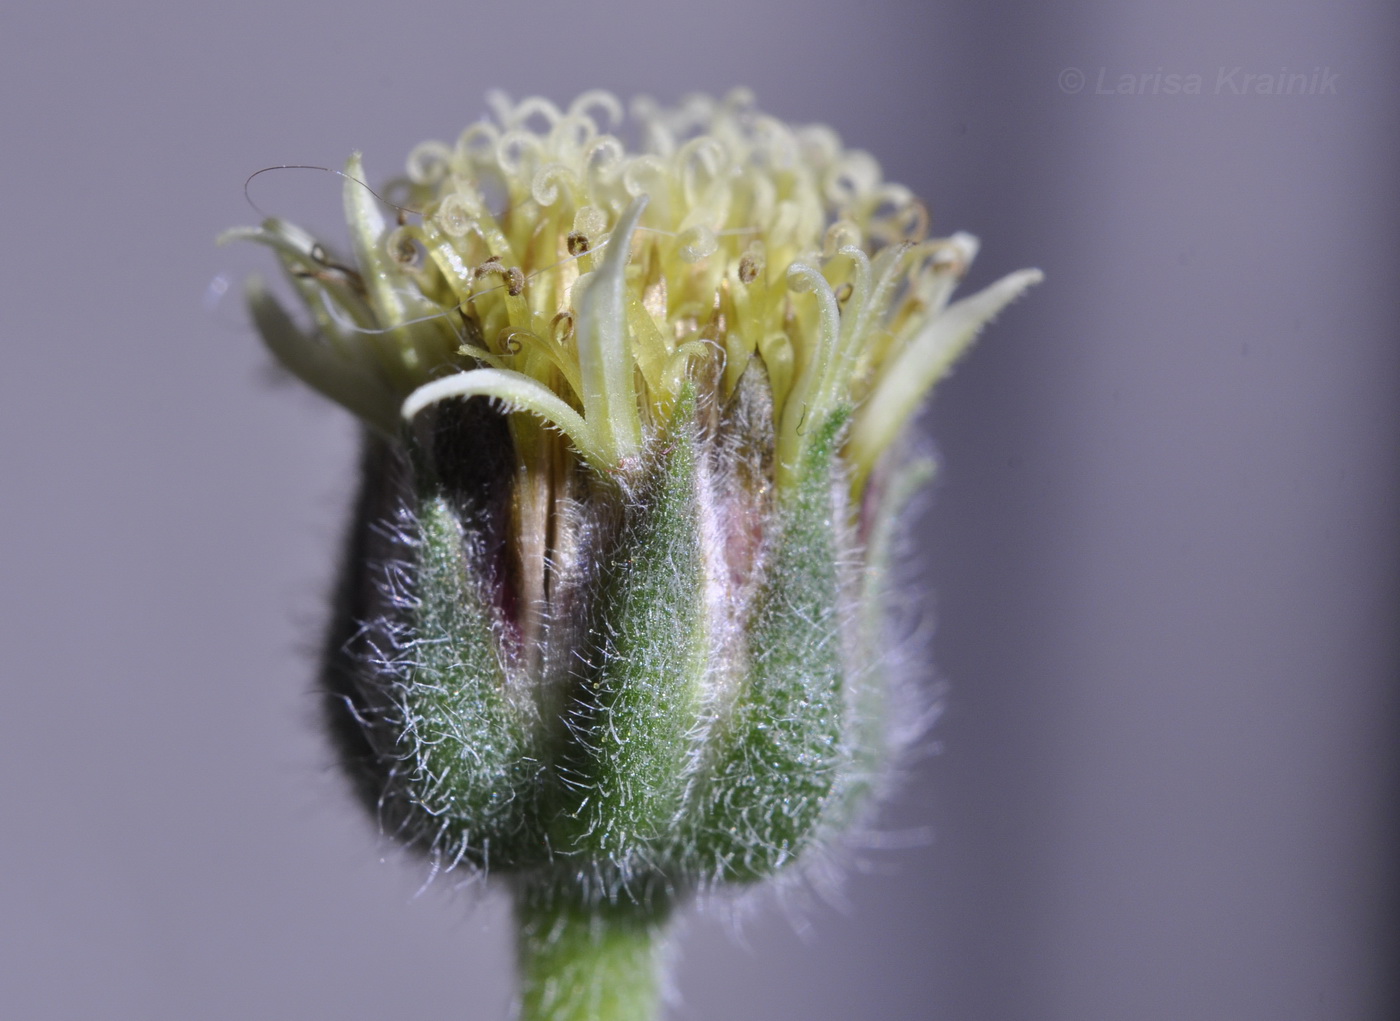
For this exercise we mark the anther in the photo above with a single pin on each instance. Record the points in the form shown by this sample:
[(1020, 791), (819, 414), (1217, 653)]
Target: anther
[(562, 326)]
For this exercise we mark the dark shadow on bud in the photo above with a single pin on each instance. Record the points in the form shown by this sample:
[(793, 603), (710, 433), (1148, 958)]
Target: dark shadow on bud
[(463, 450), (344, 709)]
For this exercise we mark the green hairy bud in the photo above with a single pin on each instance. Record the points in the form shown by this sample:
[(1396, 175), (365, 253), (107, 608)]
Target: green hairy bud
[(611, 627)]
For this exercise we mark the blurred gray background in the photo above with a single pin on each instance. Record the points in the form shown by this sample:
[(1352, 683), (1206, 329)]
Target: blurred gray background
[(1162, 549)]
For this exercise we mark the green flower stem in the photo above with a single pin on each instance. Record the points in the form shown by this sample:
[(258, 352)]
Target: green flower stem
[(580, 960)]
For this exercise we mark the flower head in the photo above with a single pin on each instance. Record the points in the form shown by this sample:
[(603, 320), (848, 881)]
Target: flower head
[(613, 617)]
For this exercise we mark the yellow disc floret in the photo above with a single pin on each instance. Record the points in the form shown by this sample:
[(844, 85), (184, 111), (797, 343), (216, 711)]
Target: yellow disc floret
[(550, 265)]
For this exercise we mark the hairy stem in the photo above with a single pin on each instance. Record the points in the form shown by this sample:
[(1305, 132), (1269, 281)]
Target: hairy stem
[(581, 960)]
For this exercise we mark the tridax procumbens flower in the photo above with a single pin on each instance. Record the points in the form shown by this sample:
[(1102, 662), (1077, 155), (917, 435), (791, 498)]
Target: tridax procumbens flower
[(612, 620)]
